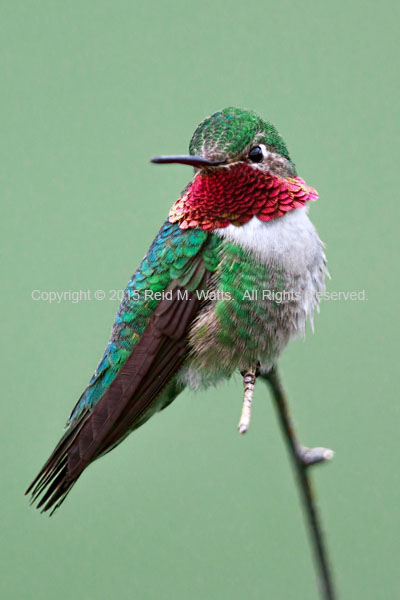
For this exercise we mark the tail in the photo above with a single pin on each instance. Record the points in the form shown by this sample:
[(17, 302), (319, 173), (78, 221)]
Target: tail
[(129, 400), (53, 479)]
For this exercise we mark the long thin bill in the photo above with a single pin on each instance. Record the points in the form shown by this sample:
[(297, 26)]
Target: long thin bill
[(194, 161)]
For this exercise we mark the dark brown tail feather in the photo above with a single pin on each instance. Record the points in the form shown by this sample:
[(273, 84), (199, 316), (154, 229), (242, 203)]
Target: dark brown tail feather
[(156, 358), (54, 466)]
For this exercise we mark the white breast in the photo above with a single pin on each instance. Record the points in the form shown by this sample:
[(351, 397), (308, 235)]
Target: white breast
[(291, 241)]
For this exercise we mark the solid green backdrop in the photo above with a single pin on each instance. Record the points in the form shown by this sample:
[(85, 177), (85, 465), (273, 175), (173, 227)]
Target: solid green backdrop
[(186, 508)]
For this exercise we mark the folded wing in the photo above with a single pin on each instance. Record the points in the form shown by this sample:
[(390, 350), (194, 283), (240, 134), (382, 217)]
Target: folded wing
[(148, 346)]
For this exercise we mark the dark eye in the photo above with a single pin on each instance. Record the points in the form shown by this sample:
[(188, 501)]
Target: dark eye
[(256, 154)]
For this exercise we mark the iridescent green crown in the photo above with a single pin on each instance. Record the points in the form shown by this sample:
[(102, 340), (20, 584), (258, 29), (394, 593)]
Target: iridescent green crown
[(228, 132)]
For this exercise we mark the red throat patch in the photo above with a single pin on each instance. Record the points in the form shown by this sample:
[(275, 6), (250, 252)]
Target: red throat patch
[(235, 194)]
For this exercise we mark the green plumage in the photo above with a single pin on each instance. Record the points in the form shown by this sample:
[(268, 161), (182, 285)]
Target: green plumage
[(168, 259), (231, 330), (229, 132)]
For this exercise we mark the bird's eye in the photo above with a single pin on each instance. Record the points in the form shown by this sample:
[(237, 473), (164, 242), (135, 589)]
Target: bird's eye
[(256, 154)]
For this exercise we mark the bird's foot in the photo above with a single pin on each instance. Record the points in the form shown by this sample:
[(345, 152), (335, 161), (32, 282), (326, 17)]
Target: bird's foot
[(312, 456), (249, 381)]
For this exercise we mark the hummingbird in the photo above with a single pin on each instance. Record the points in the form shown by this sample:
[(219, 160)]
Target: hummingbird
[(234, 273)]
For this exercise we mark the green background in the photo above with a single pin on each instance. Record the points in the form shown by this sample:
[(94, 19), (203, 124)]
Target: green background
[(186, 508)]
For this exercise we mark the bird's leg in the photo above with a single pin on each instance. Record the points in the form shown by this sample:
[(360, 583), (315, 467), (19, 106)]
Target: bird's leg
[(303, 458), (249, 381)]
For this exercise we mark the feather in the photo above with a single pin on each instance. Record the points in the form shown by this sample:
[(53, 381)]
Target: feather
[(134, 392)]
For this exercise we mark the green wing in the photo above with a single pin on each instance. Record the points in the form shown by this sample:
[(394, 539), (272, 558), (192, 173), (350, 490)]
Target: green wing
[(149, 343)]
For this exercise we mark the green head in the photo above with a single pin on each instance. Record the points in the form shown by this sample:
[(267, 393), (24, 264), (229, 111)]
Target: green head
[(233, 135)]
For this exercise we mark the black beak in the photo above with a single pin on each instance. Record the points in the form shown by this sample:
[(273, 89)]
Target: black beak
[(194, 161)]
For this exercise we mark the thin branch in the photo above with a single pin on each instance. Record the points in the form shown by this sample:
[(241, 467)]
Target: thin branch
[(303, 458)]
